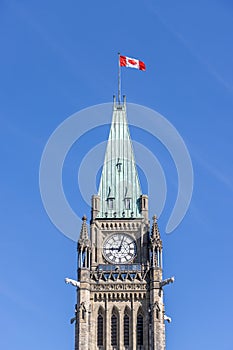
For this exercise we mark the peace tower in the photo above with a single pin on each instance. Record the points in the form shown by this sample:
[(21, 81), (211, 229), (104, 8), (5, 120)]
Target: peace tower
[(120, 284)]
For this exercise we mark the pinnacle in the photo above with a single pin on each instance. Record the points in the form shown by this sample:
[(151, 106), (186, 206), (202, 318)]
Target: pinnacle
[(84, 231), (155, 230)]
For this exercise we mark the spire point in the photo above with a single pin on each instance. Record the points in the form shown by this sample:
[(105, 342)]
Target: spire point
[(84, 218)]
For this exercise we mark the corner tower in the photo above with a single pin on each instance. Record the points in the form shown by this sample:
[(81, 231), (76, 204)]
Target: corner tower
[(120, 285)]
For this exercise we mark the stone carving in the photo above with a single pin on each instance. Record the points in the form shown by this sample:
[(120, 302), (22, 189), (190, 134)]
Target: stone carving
[(109, 287), (120, 276), (167, 281), (119, 296), (167, 318), (73, 282), (85, 306)]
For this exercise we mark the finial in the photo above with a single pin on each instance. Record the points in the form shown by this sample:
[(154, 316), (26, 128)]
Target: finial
[(84, 232), (84, 218), (155, 235)]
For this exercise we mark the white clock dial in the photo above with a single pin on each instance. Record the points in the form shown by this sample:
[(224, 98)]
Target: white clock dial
[(119, 248)]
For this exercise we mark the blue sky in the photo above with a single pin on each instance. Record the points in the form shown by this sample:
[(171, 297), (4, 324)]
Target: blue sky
[(57, 58)]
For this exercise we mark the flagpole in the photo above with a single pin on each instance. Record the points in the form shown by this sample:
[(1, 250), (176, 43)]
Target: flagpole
[(119, 79)]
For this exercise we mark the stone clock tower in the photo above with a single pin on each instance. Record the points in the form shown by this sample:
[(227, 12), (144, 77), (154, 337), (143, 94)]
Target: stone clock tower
[(120, 285)]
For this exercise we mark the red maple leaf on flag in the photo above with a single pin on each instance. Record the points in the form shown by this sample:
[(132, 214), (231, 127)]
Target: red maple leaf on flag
[(133, 62)]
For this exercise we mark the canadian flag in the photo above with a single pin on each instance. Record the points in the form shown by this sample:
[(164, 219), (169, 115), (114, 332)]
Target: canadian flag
[(132, 63)]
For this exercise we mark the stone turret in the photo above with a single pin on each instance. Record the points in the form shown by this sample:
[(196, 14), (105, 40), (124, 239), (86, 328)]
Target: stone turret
[(84, 246), (156, 244), (83, 292)]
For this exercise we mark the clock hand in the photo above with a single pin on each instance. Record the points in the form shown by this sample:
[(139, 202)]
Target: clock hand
[(121, 243)]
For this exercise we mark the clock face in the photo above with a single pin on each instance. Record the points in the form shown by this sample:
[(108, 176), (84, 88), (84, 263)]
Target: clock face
[(119, 248)]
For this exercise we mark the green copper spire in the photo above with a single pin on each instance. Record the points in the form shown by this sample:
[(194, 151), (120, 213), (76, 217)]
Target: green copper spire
[(119, 189)]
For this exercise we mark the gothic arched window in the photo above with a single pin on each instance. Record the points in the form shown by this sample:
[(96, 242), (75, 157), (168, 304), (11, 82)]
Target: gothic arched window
[(100, 330), (126, 330), (114, 331), (139, 330)]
